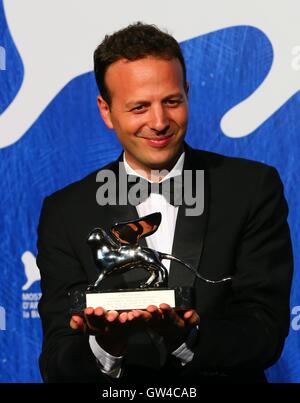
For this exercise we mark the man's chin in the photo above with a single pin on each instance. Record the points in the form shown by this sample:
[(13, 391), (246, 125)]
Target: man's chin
[(159, 165)]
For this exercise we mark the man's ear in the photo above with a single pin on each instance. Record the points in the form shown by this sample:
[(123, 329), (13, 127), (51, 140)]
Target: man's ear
[(104, 111)]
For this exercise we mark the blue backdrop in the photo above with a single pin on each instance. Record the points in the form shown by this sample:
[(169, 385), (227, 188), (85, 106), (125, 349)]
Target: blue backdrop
[(69, 140)]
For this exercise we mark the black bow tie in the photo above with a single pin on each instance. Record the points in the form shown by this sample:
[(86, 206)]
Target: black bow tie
[(140, 189)]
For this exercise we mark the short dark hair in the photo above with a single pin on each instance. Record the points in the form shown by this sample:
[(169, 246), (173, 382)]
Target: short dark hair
[(134, 42)]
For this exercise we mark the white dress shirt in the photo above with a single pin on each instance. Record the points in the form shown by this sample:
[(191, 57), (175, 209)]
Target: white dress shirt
[(161, 240)]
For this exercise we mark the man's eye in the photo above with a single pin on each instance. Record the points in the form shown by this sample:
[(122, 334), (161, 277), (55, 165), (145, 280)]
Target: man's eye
[(173, 102), (138, 108)]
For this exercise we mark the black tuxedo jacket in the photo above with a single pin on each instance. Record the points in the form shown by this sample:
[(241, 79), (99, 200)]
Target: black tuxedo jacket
[(243, 232)]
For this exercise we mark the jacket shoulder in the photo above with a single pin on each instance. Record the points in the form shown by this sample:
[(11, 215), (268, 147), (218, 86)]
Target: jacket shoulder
[(214, 161), (237, 176), (79, 190)]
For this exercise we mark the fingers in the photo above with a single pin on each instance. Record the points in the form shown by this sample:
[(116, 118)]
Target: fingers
[(191, 317), (171, 315), (111, 316), (165, 307), (101, 313), (91, 318), (155, 312), (98, 319), (139, 315), (123, 317), (88, 311), (165, 312), (76, 322)]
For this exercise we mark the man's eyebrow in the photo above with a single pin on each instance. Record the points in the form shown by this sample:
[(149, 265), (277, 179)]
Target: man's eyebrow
[(177, 95), (133, 103)]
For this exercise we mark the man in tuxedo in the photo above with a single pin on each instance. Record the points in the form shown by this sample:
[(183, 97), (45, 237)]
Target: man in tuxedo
[(234, 331)]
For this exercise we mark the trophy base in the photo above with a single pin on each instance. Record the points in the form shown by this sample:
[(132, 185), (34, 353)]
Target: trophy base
[(179, 298)]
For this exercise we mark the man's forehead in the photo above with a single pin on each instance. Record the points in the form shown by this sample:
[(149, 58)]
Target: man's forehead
[(126, 65), (147, 71), (144, 58)]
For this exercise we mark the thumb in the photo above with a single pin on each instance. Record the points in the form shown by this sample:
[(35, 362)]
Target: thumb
[(76, 322)]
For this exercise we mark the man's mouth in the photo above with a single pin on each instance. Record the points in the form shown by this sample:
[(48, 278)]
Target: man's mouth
[(158, 141)]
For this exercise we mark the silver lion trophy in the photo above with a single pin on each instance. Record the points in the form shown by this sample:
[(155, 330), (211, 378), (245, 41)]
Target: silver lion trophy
[(118, 250)]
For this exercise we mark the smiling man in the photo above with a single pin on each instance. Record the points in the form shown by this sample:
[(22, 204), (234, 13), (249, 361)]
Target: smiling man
[(148, 110), (234, 331)]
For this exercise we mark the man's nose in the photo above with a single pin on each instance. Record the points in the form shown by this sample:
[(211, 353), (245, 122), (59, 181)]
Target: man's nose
[(159, 120)]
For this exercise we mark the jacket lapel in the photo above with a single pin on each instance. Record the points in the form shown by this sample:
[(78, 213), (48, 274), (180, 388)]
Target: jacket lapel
[(117, 213), (190, 231), (112, 214)]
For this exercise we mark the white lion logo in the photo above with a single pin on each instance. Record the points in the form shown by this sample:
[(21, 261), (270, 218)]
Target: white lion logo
[(32, 272)]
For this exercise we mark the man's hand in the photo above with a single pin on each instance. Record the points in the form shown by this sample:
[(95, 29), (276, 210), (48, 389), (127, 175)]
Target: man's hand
[(111, 328), (173, 326)]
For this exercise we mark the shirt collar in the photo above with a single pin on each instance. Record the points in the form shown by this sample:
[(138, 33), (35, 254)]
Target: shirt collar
[(175, 171)]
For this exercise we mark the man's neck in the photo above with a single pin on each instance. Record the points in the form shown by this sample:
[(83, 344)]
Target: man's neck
[(156, 175)]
